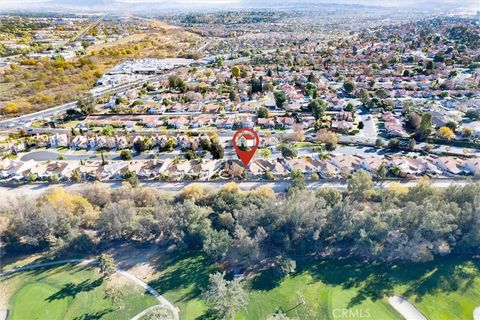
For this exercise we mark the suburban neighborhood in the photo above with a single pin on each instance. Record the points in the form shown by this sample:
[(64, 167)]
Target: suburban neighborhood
[(239, 160)]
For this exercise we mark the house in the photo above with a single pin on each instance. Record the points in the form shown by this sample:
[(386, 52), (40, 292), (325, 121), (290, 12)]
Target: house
[(450, 165), (91, 170), (325, 169), (246, 140), (344, 115), (177, 171), (80, 142), (472, 166), (346, 163), (259, 167), (234, 168), (205, 170), (112, 171), (201, 121), (58, 140), (266, 122), (177, 123), (341, 126), (370, 164), (151, 122), (285, 122), (184, 142), (269, 142), (21, 170), (225, 123), (300, 164), (122, 143)]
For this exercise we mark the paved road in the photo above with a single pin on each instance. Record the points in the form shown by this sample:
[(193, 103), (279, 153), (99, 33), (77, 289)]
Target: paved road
[(10, 192), (405, 308), (476, 313)]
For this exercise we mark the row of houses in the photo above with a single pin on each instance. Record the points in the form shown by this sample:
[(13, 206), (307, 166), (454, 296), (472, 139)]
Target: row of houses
[(337, 166)]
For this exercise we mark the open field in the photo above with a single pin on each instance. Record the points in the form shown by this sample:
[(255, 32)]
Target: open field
[(69, 291)]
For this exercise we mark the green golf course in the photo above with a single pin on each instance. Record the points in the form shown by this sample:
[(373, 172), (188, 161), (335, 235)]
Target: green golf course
[(447, 288), (70, 291)]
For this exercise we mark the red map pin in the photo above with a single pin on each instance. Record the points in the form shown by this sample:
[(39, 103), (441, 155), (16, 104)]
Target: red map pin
[(245, 141)]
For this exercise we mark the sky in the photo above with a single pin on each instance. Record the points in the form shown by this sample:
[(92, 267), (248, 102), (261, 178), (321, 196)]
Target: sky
[(132, 4)]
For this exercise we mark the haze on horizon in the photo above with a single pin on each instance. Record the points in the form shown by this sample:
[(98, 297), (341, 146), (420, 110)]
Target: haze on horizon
[(86, 5)]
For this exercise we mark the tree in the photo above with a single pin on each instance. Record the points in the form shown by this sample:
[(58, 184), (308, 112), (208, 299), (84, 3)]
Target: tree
[(288, 151), (473, 114), (216, 150), (132, 178), (236, 71), (224, 297), (262, 112), (411, 144), (425, 128), (446, 133), (217, 243), (381, 93), (86, 104), (116, 297), (115, 221), (298, 180), (364, 96), (142, 145), (318, 108), (269, 176), (11, 108), (265, 153), (413, 120), (360, 185), (106, 265), (285, 266), (76, 176), (108, 131), (232, 96), (349, 107), (467, 132), (393, 143), (382, 172), (280, 99), (349, 86), (379, 143), (126, 155)]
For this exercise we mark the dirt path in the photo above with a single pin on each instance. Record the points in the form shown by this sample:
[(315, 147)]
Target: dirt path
[(162, 301), (405, 308)]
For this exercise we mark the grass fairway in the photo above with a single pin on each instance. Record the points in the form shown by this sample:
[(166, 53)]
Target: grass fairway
[(447, 288), (70, 291), (180, 281)]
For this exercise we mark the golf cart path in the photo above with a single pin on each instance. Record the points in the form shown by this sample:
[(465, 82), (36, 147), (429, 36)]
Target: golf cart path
[(163, 302), (476, 313), (405, 308)]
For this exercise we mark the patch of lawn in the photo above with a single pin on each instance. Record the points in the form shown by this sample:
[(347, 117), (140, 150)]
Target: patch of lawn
[(447, 288), (303, 296), (181, 278), (70, 291)]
